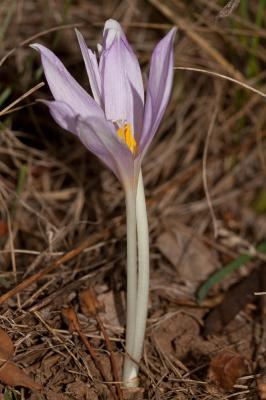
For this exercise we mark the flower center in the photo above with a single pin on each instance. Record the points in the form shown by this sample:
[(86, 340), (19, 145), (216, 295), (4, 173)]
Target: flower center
[(124, 133)]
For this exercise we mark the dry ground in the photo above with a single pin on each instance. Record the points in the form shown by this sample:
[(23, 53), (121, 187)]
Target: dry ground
[(206, 197)]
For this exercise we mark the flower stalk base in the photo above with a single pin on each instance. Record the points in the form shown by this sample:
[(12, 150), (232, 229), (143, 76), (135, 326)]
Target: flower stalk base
[(140, 287)]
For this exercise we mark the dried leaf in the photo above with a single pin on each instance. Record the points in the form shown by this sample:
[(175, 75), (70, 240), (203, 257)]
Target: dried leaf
[(6, 346), (10, 374), (133, 393), (3, 228), (234, 300), (261, 383), (89, 302), (226, 368), (71, 319), (193, 261), (113, 313)]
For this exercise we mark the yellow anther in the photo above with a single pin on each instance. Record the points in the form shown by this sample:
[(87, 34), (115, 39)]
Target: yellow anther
[(125, 134), (120, 133)]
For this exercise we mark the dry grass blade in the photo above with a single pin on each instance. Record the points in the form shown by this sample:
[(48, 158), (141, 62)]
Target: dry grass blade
[(36, 36), (228, 78), (66, 257), (204, 45), (229, 8), (204, 164), (7, 109)]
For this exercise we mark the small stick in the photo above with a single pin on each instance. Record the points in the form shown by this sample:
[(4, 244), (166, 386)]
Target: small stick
[(89, 300), (74, 326), (66, 257), (112, 357), (28, 93)]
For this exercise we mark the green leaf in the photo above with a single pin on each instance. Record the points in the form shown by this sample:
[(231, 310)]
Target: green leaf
[(22, 177), (4, 95), (259, 203), (10, 395), (7, 20), (218, 276)]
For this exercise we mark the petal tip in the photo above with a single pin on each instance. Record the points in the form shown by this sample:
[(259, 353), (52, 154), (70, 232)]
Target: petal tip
[(34, 46), (112, 24), (173, 31), (78, 33)]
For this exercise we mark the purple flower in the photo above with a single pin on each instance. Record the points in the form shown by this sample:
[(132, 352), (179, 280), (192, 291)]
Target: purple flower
[(118, 124)]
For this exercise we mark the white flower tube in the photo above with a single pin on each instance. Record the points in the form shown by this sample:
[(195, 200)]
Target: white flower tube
[(141, 306)]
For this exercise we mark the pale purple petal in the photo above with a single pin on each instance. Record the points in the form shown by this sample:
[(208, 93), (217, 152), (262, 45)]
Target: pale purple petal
[(99, 136), (64, 87), (121, 78), (63, 114), (159, 88), (92, 68), (115, 85)]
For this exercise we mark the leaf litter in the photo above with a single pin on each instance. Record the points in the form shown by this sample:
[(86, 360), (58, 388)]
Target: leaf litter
[(10, 373)]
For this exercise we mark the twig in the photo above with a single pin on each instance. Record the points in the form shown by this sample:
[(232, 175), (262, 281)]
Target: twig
[(36, 277), (89, 300), (112, 357), (74, 326)]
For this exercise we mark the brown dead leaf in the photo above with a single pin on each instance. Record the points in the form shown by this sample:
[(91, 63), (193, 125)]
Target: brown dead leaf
[(226, 368), (192, 259), (113, 314), (175, 336), (3, 228), (234, 300), (6, 346), (89, 302), (80, 390), (133, 393), (71, 319), (10, 374), (261, 383)]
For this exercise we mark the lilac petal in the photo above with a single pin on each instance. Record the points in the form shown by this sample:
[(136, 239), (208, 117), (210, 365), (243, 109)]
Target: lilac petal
[(99, 136), (159, 88), (64, 87), (63, 114), (91, 68), (121, 78)]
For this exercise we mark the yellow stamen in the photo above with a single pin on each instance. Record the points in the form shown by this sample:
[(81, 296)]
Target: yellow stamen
[(125, 134)]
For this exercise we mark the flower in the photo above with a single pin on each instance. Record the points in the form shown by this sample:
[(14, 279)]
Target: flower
[(117, 124)]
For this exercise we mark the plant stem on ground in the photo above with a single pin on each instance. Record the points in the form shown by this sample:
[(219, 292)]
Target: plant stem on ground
[(140, 307), (131, 283)]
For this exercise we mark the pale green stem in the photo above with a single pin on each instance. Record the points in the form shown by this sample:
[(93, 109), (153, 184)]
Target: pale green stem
[(142, 288), (131, 282), (143, 272)]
